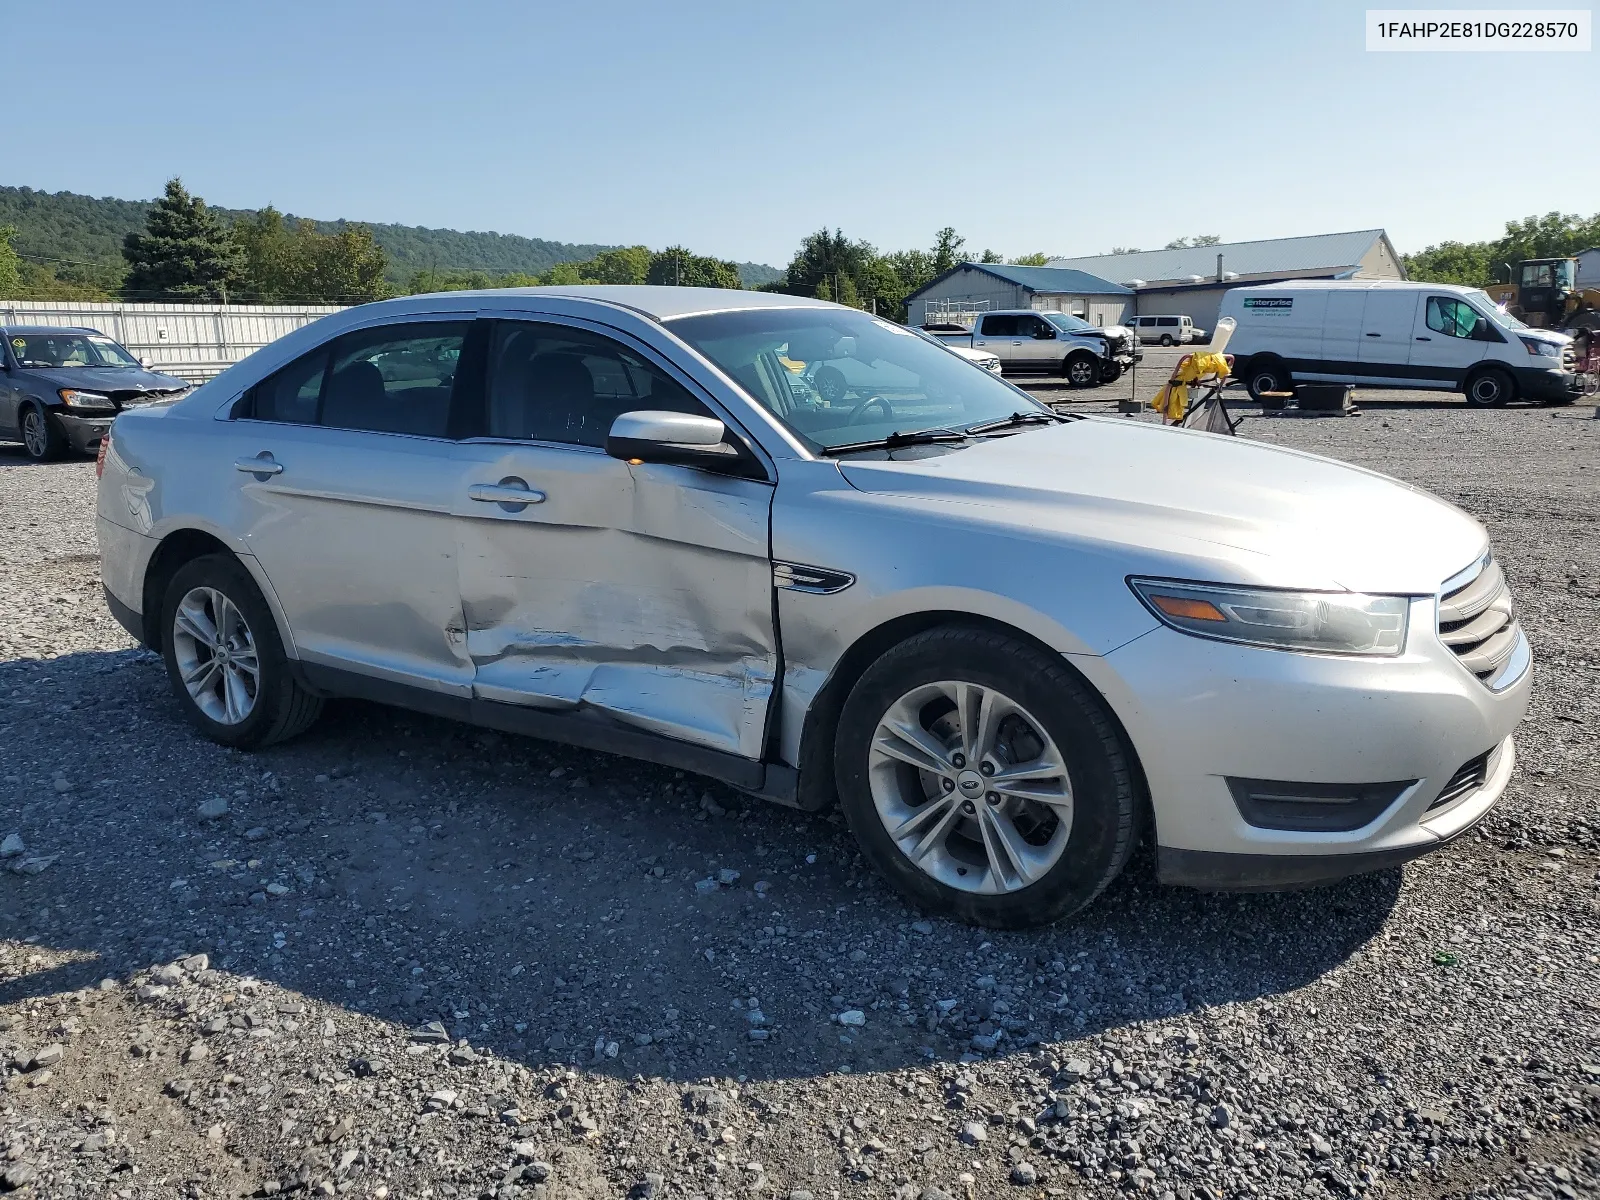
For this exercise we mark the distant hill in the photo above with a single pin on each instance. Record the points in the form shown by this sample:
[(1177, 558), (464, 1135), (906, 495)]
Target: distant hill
[(67, 227)]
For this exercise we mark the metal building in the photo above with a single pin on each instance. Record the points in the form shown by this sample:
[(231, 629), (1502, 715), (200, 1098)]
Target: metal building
[(967, 289), (191, 341), (1192, 281)]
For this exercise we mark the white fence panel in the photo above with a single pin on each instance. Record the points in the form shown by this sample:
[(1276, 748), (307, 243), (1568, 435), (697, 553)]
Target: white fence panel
[(192, 341)]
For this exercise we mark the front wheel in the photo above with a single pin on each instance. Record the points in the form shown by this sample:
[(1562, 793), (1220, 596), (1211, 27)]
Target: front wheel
[(1490, 389), (984, 779), (1111, 372), (225, 660), (42, 435), (1082, 370)]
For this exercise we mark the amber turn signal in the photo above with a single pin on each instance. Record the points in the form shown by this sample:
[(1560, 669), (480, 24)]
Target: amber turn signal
[(1194, 610)]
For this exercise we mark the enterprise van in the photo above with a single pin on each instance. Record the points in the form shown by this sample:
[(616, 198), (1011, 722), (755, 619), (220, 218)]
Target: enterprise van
[(1394, 334), (1168, 331)]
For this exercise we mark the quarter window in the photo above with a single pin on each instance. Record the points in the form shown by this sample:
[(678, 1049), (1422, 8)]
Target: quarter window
[(1451, 317), (551, 383)]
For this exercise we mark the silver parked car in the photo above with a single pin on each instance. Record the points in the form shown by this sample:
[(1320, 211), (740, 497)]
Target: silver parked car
[(1011, 644)]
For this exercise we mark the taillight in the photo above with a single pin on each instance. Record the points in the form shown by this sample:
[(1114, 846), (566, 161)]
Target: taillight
[(100, 456)]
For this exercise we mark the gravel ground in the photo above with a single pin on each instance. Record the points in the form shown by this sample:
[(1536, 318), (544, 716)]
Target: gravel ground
[(401, 957)]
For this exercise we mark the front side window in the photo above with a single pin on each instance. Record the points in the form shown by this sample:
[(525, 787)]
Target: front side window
[(1451, 317), (392, 379), (837, 377), (552, 383), (1034, 327)]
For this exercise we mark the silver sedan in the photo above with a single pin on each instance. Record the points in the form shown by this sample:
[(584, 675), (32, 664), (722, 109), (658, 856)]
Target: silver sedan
[(1010, 644)]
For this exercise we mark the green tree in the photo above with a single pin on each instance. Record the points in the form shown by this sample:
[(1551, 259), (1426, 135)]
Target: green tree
[(1467, 263), (1126, 250), (347, 267), (824, 288), (823, 255), (677, 266), (1183, 243), (947, 247), (563, 273), (626, 264), (1037, 259), (185, 252), (992, 256), (10, 265)]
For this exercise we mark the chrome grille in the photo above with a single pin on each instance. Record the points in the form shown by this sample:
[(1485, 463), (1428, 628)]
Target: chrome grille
[(1478, 623)]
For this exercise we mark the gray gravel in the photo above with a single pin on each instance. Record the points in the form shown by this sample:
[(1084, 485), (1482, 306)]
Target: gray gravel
[(400, 957)]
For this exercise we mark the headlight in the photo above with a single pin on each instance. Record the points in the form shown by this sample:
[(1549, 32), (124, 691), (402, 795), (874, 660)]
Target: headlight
[(1542, 347), (73, 398), (1324, 622)]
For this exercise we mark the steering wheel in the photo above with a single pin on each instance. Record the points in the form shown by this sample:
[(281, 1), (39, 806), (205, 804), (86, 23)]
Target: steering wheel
[(870, 401)]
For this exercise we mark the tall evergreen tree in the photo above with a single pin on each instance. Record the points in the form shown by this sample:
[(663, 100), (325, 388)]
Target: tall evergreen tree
[(10, 265), (185, 252)]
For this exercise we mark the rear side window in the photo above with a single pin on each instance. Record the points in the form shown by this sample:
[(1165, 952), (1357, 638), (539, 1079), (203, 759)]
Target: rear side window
[(999, 326), (393, 379), (1167, 322)]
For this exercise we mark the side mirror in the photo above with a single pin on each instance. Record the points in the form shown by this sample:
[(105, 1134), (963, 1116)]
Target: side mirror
[(1481, 331), (147, 362), (651, 436)]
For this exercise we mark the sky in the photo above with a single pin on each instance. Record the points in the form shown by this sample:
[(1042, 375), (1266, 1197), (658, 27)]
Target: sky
[(737, 128)]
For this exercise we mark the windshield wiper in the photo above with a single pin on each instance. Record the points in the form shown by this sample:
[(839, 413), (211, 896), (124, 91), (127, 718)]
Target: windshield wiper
[(1016, 420), (919, 437)]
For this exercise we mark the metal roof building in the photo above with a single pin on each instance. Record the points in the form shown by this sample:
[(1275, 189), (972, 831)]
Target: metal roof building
[(969, 288), (1191, 281)]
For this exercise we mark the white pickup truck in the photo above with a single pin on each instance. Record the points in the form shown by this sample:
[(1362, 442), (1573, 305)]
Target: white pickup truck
[(1046, 342)]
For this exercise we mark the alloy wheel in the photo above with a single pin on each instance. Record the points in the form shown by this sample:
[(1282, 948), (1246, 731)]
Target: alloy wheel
[(970, 787), (34, 434), (1080, 372), (216, 655)]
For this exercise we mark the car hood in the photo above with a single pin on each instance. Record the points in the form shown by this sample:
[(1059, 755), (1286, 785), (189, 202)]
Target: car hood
[(108, 379), (1174, 501)]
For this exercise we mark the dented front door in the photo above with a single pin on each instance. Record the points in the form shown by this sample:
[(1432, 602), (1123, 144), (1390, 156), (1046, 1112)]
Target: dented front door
[(640, 592)]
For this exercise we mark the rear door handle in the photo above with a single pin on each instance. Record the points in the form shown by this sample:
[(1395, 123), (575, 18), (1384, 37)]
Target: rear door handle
[(1374, 335), (261, 466), (1424, 339), (511, 494)]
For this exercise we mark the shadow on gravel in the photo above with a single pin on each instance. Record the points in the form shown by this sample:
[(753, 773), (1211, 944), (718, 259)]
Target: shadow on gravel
[(543, 902)]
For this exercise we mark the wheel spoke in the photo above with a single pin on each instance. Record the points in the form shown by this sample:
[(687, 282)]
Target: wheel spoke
[(933, 820), (246, 661), (198, 677), (980, 712), (909, 744), (1002, 845), (236, 699), (194, 622)]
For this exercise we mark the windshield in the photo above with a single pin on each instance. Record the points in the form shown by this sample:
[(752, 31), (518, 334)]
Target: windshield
[(1066, 321), (1481, 301), (836, 377), (69, 350)]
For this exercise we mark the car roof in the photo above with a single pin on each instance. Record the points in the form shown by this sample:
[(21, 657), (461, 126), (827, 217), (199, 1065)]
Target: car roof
[(45, 329), (661, 303), (1320, 285)]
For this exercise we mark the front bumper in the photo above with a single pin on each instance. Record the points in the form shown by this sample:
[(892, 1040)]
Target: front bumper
[(1547, 383), (84, 432), (1200, 712)]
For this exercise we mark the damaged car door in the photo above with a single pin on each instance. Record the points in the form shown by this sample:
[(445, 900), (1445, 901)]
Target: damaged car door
[(636, 592)]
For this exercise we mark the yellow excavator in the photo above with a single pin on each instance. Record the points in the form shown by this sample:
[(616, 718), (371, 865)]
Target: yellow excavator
[(1544, 293)]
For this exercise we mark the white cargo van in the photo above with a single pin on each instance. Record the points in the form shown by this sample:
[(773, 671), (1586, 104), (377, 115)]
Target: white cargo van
[(1393, 334), (1167, 331)]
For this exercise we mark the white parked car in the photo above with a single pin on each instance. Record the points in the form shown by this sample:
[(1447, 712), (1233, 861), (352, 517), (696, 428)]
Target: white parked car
[(1011, 644)]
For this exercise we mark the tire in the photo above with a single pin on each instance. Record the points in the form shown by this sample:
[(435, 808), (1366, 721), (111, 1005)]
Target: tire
[(43, 439), (1090, 838), (1269, 375), (1111, 372), (831, 384), (279, 707), (1081, 370), (1490, 388), (1166, 339)]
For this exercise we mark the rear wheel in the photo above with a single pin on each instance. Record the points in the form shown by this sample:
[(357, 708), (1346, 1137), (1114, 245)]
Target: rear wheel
[(1166, 339), (225, 660), (1082, 370), (1263, 378), (42, 435), (984, 779), (1490, 388)]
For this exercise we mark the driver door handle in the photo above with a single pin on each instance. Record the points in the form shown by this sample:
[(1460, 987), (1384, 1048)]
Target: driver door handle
[(501, 493), (265, 465)]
